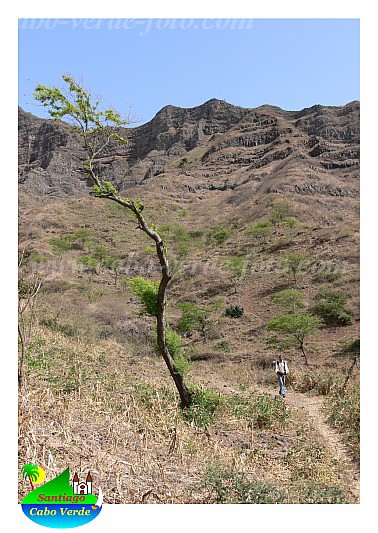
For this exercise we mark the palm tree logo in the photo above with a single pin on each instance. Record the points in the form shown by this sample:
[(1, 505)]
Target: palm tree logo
[(34, 473)]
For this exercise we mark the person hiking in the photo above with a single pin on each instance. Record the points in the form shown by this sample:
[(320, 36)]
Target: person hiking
[(281, 370)]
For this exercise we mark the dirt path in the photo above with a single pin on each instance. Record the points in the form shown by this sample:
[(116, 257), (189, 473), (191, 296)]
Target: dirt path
[(313, 406)]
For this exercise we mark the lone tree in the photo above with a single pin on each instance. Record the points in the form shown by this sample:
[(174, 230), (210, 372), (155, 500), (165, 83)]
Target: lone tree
[(97, 129), (297, 327), (294, 263)]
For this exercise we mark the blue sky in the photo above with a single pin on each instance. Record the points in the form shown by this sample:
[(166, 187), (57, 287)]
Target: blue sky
[(150, 63)]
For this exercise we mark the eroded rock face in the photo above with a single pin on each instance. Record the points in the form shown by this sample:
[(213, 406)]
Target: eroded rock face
[(202, 146)]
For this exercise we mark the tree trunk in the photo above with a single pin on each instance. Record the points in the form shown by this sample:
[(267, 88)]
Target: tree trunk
[(304, 353), (161, 327), (183, 391), (21, 365), (344, 387)]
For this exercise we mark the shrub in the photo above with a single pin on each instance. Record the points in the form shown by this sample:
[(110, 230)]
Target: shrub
[(221, 236), (148, 293), (203, 405), (278, 213), (330, 306), (192, 318), (59, 245), (183, 162), (223, 484), (223, 346), (294, 263), (290, 299), (265, 411), (90, 263), (174, 344), (262, 231), (37, 258), (234, 311)]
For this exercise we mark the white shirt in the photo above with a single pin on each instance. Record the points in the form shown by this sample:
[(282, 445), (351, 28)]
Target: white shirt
[(282, 366)]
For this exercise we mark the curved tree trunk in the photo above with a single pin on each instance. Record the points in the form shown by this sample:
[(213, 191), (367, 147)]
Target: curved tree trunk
[(160, 319)]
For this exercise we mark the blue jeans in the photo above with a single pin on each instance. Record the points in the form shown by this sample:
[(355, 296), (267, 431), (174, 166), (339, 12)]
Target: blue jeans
[(281, 381)]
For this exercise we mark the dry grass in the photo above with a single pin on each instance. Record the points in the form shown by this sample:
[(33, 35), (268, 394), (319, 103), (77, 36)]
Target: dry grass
[(95, 406)]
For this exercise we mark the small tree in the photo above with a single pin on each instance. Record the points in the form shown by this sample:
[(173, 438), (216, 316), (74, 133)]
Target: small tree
[(278, 213), (289, 299), (261, 231), (330, 306), (296, 327), (193, 318), (294, 263), (59, 245), (114, 265), (90, 264), (290, 223), (97, 129), (239, 266)]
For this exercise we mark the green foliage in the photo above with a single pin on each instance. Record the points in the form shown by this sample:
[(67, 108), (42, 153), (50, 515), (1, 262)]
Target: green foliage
[(99, 253), (261, 231), (150, 250), (174, 344), (203, 406), (223, 484), (52, 323), (78, 107), (290, 223), (60, 245), (35, 257), (295, 326), (234, 311), (294, 263), (90, 263), (183, 240), (221, 236), (289, 299), (223, 346), (239, 265), (278, 213), (330, 306), (183, 162), (323, 276), (264, 411), (148, 293), (80, 238), (192, 318)]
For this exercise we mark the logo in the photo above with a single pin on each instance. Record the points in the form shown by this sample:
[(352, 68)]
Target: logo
[(59, 503)]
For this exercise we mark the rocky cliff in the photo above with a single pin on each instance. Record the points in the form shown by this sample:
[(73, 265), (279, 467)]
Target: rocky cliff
[(215, 146)]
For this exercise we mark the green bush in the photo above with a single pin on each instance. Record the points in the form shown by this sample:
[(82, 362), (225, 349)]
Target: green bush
[(174, 344), (192, 318), (221, 236), (59, 245), (330, 306), (234, 311), (204, 403), (147, 291), (222, 484), (223, 346), (90, 263), (265, 411), (37, 258)]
